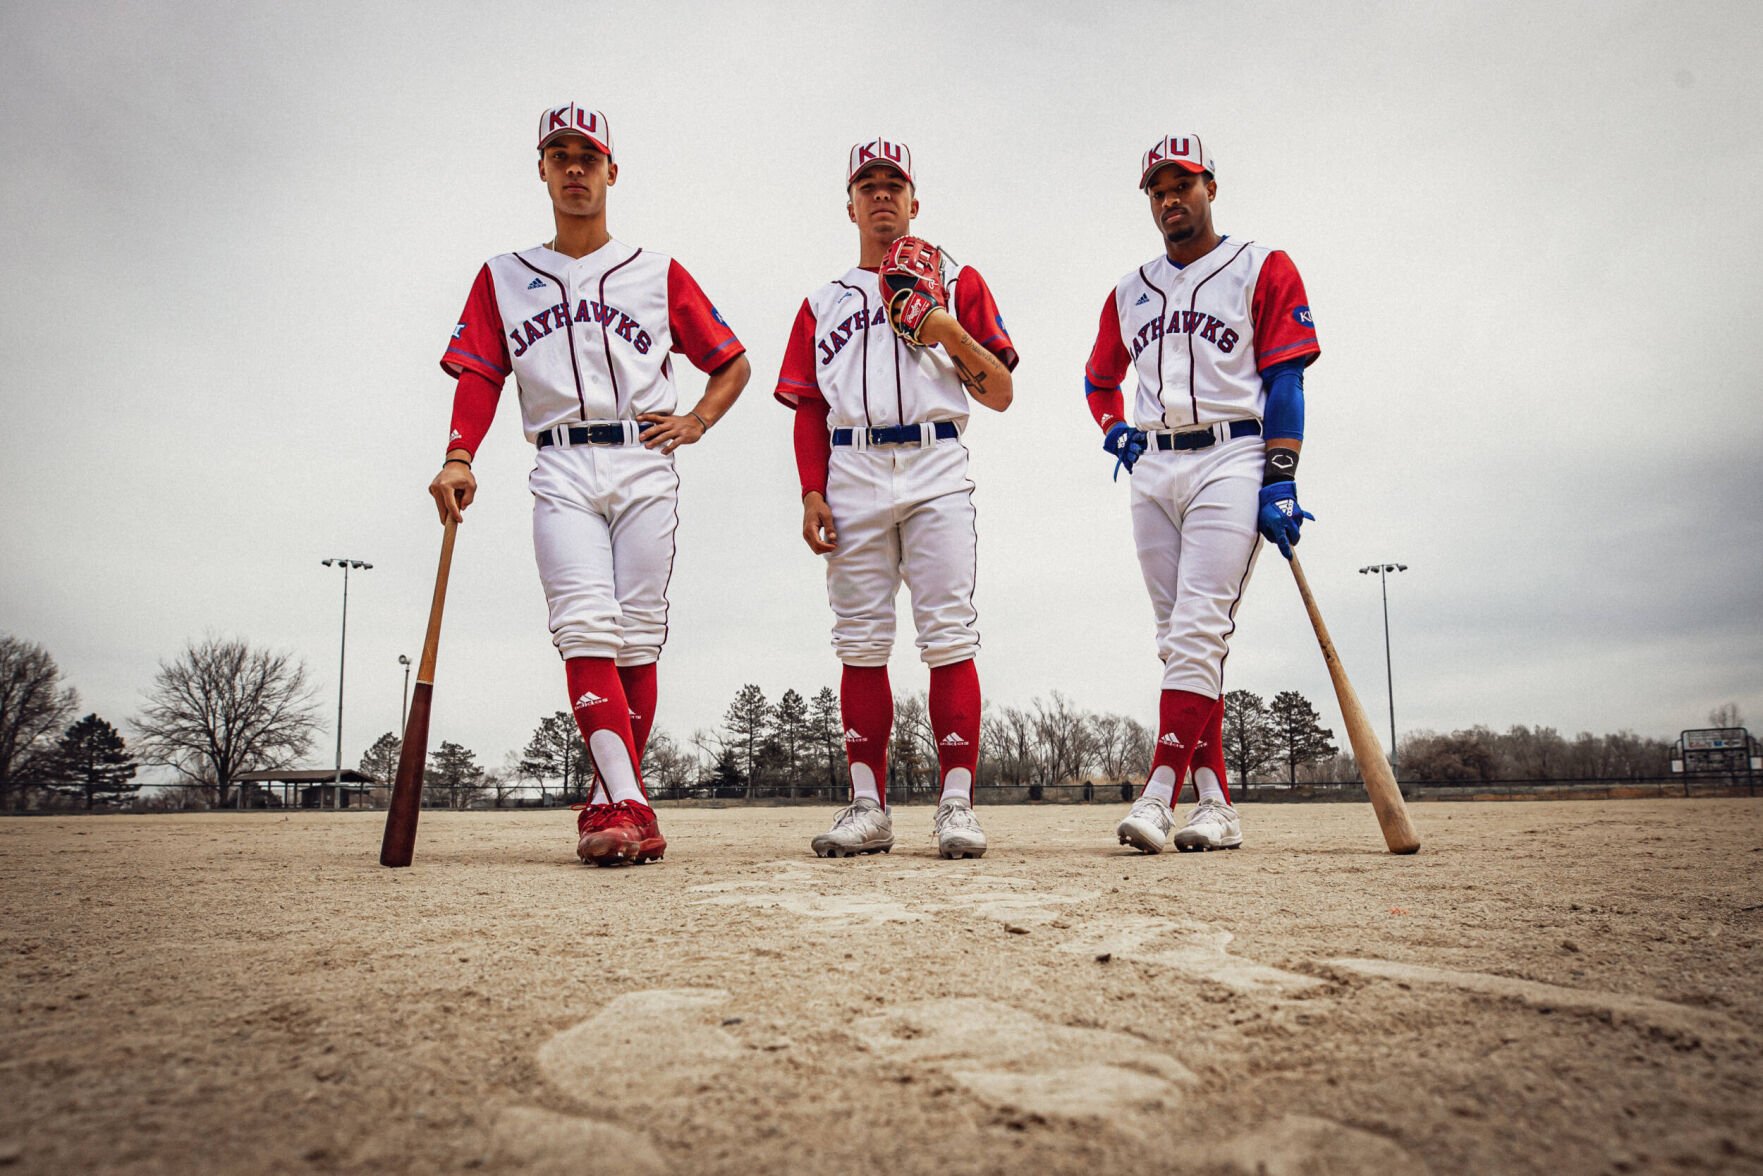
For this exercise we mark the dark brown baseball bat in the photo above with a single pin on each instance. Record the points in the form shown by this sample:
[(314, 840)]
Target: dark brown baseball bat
[(400, 840), (1374, 768)]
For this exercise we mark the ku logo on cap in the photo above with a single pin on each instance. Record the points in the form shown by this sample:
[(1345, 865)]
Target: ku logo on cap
[(568, 116)]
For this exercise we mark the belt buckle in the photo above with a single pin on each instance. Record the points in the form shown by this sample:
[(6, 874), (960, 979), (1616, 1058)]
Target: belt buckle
[(873, 437)]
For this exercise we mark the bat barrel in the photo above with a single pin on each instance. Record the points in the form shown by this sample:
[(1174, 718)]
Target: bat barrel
[(399, 844)]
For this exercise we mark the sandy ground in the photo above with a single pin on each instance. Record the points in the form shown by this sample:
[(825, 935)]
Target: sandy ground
[(1566, 987)]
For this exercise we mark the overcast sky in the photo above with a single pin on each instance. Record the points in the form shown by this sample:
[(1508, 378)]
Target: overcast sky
[(237, 238)]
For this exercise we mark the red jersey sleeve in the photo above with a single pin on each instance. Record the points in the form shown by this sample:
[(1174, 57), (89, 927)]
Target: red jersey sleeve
[(474, 407), (1108, 358), (699, 331), (478, 344), (814, 444), (1284, 329), (798, 379), (977, 312)]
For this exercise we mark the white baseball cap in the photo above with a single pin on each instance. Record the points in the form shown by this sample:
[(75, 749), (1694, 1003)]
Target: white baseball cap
[(880, 151), (573, 118), (1183, 150)]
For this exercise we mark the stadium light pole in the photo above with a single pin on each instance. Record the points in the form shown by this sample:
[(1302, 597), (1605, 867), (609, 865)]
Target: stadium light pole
[(342, 661), (1383, 570), (404, 706)]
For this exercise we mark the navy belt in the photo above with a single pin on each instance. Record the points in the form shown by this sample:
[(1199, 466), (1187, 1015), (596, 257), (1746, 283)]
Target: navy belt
[(583, 435), (1205, 438), (894, 435)]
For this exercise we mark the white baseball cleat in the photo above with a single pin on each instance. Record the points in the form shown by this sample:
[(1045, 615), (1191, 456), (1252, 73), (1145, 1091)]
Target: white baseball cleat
[(1212, 825), (860, 827), (958, 831), (1147, 827)]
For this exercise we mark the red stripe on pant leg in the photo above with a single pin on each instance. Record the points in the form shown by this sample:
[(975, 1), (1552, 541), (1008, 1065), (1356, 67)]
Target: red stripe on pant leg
[(596, 698), (1210, 752), (866, 706), (1181, 721), (954, 719)]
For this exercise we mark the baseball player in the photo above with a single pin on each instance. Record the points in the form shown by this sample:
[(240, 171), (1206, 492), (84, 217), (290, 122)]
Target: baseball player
[(587, 325), (1218, 332), (880, 367)]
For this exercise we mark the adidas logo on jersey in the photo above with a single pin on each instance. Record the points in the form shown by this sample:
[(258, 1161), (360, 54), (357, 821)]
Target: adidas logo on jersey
[(851, 736), (1143, 298), (953, 740), (535, 284), (1170, 740), (589, 698)]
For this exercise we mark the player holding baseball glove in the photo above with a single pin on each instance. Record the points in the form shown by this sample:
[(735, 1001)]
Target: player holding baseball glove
[(880, 368), (1218, 331)]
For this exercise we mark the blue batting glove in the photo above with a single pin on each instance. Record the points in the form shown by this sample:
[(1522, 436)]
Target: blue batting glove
[(1127, 444), (1280, 516)]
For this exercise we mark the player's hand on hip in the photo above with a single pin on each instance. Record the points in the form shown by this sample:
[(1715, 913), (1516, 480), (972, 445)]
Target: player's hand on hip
[(1126, 444), (1280, 516), (817, 524), (668, 433), (453, 489)]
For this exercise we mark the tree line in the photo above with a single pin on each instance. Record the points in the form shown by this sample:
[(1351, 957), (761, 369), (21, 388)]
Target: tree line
[(222, 707)]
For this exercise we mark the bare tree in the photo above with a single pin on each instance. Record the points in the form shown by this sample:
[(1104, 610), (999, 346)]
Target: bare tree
[(1064, 744), (1122, 746), (1726, 715), (1007, 740), (668, 768), (912, 749), (221, 708), (33, 709)]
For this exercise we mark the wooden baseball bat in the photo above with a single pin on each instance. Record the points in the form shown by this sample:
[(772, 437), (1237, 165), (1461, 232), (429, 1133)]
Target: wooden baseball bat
[(1374, 768), (400, 840)]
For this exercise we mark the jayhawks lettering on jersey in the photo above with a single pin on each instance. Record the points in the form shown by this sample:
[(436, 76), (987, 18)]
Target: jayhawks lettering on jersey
[(587, 338), (843, 351), (1200, 335)]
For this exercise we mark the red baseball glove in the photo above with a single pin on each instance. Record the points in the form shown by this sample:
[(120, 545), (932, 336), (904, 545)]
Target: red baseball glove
[(912, 286)]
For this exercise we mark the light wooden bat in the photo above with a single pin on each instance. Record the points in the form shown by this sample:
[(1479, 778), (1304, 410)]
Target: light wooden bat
[(1374, 768)]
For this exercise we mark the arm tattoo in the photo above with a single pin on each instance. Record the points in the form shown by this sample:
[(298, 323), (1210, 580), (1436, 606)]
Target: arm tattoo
[(972, 378)]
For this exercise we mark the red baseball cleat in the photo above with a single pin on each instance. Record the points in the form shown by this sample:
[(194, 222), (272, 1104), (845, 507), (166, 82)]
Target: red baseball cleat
[(625, 833)]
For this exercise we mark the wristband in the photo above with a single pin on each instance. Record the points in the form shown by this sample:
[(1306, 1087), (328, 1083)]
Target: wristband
[(460, 460), (693, 413), (1281, 466)]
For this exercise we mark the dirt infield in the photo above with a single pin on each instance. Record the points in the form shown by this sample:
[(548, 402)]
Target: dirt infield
[(1545, 988)]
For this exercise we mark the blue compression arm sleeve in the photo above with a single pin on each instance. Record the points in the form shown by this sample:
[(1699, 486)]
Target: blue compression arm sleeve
[(1285, 400)]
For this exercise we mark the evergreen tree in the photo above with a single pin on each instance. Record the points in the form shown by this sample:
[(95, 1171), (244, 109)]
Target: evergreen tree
[(92, 761), (381, 760), (556, 752), (453, 776), (790, 728), (1302, 737), (1250, 741), (827, 730), (748, 721)]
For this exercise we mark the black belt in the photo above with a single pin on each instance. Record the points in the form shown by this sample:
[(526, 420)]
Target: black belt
[(583, 435), (1203, 438), (895, 434)]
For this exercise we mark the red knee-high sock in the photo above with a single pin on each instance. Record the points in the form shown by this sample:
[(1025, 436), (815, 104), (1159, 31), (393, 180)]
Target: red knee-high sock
[(1181, 722), (1209, 754), (954, 721), (639, 692), (604, 718), (866, 704)]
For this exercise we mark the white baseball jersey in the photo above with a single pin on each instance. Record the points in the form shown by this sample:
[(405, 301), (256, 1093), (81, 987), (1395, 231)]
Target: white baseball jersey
[(587, 338), (843, 351), (904, 513), (1200, 335)]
